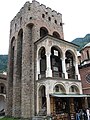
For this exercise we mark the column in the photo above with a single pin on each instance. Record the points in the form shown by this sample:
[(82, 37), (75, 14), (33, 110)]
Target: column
[(48, 104), (38, 65), (48, 71), (9, 96), (17, 76), (76, 69), (27, 103), (64, 67), (37, 101)]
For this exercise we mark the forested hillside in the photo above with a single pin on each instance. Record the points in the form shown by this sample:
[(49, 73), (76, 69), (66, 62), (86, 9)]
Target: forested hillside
[(3, 63), (82, 41)]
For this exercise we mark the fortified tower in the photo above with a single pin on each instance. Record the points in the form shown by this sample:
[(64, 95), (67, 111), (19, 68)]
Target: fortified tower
[(31, 23), (42, 67)]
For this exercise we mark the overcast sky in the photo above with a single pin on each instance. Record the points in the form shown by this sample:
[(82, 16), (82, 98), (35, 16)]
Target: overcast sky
[(75, 16)]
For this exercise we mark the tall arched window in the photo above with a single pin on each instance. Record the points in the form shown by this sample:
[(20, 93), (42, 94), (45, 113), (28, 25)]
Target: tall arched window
[(43, 31), (56, 63), (70, 68), (42, 61), (12, 56), (42, 98), (19, 52)]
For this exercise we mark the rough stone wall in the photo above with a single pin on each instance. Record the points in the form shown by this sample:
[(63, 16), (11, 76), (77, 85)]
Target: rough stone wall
[(21, 88), (32, 13)]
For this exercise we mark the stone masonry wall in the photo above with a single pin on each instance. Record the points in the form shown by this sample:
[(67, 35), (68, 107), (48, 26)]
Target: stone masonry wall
[(29, 20)]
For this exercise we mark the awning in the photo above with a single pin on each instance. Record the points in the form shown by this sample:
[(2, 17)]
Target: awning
[(69, 95)]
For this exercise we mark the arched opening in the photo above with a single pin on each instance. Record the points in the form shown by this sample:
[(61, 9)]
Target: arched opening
[(2, 104), (70, 68), (12, 57), (74, 90), (60, 102), (42, 55), (59, 89), (18, 76), (43, 31), (19, 53), (56, 62), (56, 35), (42, 99), (2, 88)]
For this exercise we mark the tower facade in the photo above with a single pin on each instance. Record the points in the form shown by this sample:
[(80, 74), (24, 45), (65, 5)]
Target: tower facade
[(40, 64)]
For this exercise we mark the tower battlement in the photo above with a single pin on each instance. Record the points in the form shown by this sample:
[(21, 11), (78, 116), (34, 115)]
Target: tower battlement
[(36, 13)]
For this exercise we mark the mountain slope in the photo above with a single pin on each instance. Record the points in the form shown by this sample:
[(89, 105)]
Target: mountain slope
[(82, 41)]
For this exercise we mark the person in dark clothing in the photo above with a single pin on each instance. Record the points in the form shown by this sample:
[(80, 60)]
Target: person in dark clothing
[(77, 115), (85, 114)]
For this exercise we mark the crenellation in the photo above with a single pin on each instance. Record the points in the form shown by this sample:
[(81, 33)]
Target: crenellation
[(42, 6), (54, 12), (59, 14), (49, 10), (36, 3)]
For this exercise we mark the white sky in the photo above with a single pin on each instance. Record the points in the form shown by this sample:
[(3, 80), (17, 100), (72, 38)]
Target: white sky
[(75, 15)]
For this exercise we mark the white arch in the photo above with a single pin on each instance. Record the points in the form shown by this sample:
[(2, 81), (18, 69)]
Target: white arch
[(76, 88), (60, 84)]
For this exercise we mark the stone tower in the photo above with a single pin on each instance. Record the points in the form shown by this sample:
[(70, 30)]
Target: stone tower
[(32, 22), (43, 76)]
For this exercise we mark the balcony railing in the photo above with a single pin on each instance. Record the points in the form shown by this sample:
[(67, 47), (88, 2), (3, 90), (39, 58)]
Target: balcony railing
[(43, 75), (58, 74)]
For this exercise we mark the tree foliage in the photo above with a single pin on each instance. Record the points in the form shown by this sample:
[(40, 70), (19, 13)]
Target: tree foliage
[(3, 63)]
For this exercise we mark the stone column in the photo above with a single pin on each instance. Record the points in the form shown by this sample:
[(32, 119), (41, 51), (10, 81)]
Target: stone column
[(9, 96), (64, 67), (77, 70), (17, 76), (38, 66), (48, 71), (28, 104), (48, 103), (37, 101)]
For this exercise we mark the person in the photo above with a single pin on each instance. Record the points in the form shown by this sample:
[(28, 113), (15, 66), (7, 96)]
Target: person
[(85, 114), (77, 115), (87, 111)]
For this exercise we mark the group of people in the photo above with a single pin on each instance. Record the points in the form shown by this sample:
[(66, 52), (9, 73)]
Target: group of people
[(83, 114)]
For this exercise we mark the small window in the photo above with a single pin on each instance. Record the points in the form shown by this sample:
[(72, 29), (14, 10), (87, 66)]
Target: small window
[(87, 54), (29, 8), (49, 18), (20, 20), (15, 26), (56, 21), (60, 24), (46, 13), (30, 18), (43, 16)]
